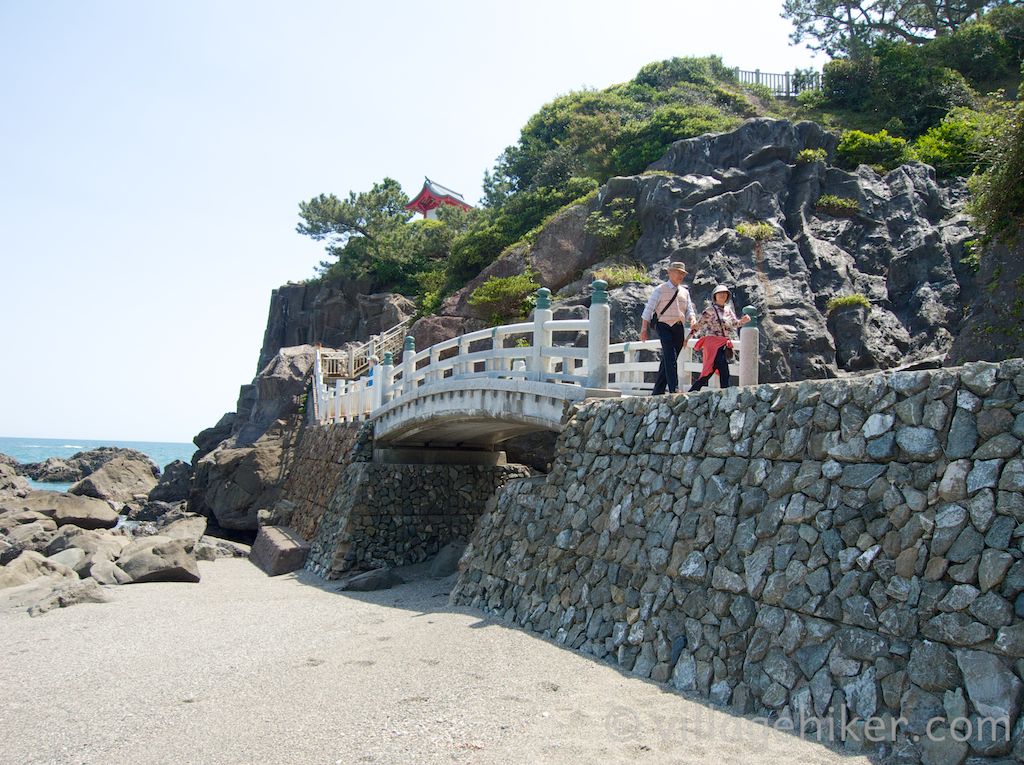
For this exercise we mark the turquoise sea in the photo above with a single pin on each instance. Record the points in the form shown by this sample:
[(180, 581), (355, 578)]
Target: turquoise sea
[(38, 449)]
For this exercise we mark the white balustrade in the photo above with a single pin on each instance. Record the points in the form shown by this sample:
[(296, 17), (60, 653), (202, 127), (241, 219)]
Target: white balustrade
[(539, 361)]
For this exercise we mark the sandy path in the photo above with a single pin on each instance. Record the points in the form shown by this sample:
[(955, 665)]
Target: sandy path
[(245, 669)]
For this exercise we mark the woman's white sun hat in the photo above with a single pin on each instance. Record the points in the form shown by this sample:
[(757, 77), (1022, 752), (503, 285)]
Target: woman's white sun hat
[(721, 288)]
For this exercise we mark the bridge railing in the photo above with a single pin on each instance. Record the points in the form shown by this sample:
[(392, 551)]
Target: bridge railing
[(534, 356)]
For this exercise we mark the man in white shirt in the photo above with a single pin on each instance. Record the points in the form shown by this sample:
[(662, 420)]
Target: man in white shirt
[(671, 303)]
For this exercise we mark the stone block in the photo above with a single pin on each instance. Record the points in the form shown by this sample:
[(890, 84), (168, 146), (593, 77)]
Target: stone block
[(278, 550)]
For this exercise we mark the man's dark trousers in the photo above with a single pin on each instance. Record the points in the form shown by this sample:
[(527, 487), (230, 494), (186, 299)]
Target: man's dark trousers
[(672, 338)]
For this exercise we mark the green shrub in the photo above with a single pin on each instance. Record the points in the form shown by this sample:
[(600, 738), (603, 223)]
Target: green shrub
[(811, 99), (956, 146), (616, 276), (848, 83), (880, 150), (809, 156), (662, 74), (977, 50), (761, 91), (643, 142), (845, 301), (838, 206), (998, 193), (1009, 22), (615, 225), (506, 298), (759, 231)]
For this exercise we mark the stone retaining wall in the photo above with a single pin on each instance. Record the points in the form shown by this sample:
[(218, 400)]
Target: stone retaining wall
[(791, 550), (318, 463), (392, 515)]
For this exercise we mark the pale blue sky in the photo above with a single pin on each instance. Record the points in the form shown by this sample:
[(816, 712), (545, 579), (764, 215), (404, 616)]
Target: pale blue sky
[(153, 155)]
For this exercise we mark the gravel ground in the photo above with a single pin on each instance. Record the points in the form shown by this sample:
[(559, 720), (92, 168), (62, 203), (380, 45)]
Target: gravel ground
[(241, 668)]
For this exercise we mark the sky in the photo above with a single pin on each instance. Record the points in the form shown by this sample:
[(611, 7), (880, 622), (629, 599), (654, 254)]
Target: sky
[(153, 156)]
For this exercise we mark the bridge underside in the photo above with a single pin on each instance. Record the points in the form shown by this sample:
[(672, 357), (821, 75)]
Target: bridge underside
[(460, 414)]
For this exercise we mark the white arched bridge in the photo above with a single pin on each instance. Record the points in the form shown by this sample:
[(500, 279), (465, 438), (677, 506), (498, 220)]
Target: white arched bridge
[(476, 390)]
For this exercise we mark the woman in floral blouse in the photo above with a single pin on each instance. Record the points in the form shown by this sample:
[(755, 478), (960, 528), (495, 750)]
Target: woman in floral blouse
[(716, 328)]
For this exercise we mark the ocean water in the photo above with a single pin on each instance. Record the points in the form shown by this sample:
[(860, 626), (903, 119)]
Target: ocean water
[(39, 449)]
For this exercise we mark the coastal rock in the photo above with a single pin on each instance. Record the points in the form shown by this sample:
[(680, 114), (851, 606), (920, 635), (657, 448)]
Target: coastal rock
[(45, 594), (32, 565), (81, 464), (158, 559), (10, 481), (233, 484), (173, 484), (84, 512), (120, 479)]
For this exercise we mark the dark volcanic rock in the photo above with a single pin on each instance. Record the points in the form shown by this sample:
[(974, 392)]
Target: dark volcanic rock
[(902, 251), (173, 485), (992, 330)]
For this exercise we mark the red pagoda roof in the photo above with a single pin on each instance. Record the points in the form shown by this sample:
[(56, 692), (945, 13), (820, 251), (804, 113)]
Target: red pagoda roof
[(434, 195)]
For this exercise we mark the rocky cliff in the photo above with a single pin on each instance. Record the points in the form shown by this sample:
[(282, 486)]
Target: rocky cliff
[(901, 249)]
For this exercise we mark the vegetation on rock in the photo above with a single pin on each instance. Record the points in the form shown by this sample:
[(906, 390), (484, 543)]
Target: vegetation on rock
[(856, 300)]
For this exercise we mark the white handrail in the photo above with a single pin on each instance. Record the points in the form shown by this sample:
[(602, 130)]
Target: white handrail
[(539, 360)]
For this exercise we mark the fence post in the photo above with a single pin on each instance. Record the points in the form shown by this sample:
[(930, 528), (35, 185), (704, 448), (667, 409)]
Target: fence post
[(541, 337), (408, 364), (598, 336), (788, 88), (749, 348), (338, 402), (387, 379), (757, 76)]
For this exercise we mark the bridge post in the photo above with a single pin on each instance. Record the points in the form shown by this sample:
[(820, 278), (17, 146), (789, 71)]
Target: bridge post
[(749, 348), (463, 366), (337, 409), (408, 364), (387, 379), (598, 336), (541, 337)]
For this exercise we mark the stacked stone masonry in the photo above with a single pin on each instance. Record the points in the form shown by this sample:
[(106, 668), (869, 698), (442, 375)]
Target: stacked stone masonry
[(392, 515), (802, 551), (323, 453)]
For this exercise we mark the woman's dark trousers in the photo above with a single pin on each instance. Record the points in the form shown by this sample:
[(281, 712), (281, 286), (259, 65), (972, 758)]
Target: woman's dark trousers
[(722, 365), (672, 338)]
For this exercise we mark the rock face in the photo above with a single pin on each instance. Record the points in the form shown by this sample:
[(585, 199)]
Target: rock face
[(173, 484), (902, 251), (232, 484), (243, 473), (120, 479), (331, 314), (993, 329), (787, 550)]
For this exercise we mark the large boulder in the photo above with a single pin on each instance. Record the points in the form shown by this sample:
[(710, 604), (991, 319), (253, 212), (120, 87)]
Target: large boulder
[(121, 479), (48, 593), (32, 565), (10, 481), (173, 484), (85, 512), (158, 559), (93, 542), (233, 484), (209, 439)]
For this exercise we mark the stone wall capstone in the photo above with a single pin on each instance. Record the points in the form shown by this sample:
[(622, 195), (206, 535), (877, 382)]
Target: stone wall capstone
[(802, 551)]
